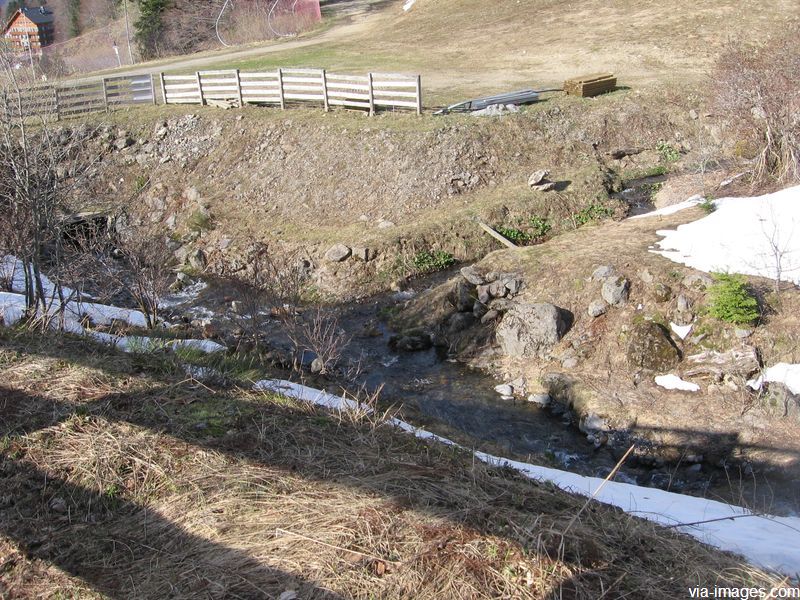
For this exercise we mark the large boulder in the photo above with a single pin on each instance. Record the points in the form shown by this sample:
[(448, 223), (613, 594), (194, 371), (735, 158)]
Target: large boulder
[(463, 296), (529, 330), (651, 348)]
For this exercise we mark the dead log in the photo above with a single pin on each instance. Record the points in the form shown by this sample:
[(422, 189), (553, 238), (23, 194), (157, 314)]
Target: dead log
[(741, 362)]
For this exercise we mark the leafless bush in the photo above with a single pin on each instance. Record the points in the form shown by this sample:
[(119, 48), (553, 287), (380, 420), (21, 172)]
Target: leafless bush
[(144, 269), (319, 332), (757, 94), (40, 166)]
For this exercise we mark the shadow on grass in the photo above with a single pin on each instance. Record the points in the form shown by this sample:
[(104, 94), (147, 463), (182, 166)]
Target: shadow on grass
[(113, 544)]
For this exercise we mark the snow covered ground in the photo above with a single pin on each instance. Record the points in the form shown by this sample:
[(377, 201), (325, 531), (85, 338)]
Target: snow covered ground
[(743, 235), (12, 308), (767, 541), (784, 373)]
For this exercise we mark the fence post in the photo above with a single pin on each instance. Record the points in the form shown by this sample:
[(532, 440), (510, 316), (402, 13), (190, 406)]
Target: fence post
[(153, 88), (280, 88), (419, 95), (371, 96), (105, 93), (200, 88), (239, 88), (163, 88), (325, 90), (58, 109)]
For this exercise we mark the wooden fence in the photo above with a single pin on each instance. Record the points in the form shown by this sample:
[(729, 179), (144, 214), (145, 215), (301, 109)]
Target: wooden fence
[(72, 99), (369, 92)]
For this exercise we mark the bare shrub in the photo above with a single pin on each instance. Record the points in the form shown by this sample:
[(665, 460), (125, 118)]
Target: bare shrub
[(41, 165), (756, 92), (144, 269)]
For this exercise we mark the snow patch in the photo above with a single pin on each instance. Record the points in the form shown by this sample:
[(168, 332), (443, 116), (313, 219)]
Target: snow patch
[(671, 209), (408, 4), (673, 382), (742, 236), (680, 330), (785, 373), (765, 540)]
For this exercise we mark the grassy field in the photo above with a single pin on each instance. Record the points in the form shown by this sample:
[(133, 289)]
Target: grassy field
[(468, 47), (120, 478)]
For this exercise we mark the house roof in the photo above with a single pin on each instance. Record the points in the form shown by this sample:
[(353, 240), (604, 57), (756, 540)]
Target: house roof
[(40, 16)]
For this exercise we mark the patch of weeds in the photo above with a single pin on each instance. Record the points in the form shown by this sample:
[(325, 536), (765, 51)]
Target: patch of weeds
[(140, 183), (426, 261), (707, 206), (653, 189), (519, 237), (732, 301), (200, 221), (540, 227), (668, 152), (656, 171), (593, 212)]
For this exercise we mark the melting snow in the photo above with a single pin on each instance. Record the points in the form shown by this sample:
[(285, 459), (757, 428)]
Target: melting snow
[(742, 236), (765, 540), (673, 382), (784, 373), (672, 209), (680, 330)]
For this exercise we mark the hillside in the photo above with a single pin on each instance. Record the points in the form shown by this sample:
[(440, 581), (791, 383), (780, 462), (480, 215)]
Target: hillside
[(111, 462)]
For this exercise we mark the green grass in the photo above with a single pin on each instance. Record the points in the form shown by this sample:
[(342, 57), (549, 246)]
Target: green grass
[(427, 261)]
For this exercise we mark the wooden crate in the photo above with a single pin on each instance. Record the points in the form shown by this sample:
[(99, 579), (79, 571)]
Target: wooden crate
[(587, 86)]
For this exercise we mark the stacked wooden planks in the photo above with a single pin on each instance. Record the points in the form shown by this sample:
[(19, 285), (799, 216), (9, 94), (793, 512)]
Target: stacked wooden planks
[(587, 86)]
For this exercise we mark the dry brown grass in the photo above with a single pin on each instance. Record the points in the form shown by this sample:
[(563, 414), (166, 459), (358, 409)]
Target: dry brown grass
[(117, 493)]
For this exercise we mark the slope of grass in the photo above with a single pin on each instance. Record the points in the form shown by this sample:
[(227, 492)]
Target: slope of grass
[(121, 479)]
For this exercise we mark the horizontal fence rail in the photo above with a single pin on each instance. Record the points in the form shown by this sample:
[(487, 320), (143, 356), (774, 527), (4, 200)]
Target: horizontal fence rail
[(369, 92), (71, 99)]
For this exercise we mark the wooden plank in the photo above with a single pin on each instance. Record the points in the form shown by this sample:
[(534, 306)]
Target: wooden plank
[(496, 235), (393, 94), (262, 75), (339, 76), (371, 97), (200, 88), (163, 88), (419, 94), (180, 77), (239, 88), (340, 96), (349, 103), (105, 94), (326, 106), (396, 103), (291, 96), (280, 89), (313, 80)]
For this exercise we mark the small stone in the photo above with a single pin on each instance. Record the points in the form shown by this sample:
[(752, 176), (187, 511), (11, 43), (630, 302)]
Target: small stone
[(570, 363), (317, 365), (693, 115), (683, 303), (538, 177), (484, 296), (362, 254), (600, 273), (338, 253), (743, 334), (489, 317), (237, 306), (58, 505), (540, 399), (697, 281), (513, 285), (197, 259), (504, 389), (646, 276), (597, 308), (472, 275), (615, 290), (383, 224), (662, 292), (498, 289)]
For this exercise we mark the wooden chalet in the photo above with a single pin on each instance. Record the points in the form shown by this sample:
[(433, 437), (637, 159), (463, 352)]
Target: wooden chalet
[(30, 29)]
